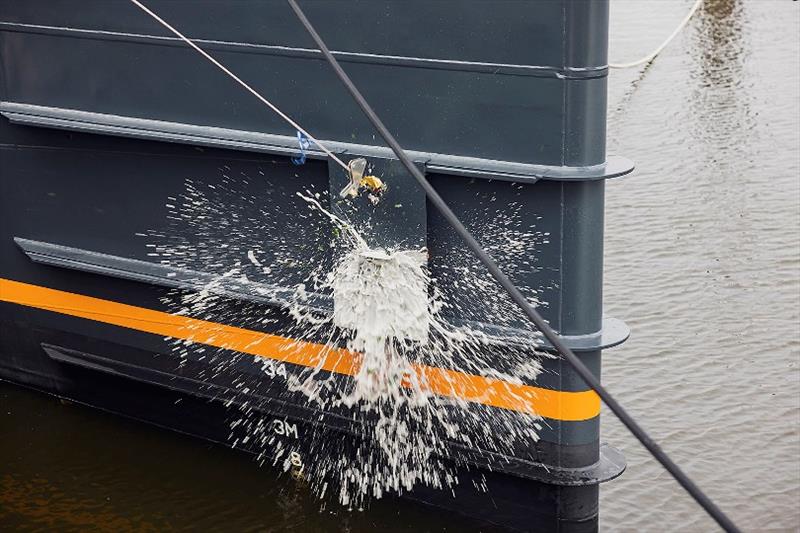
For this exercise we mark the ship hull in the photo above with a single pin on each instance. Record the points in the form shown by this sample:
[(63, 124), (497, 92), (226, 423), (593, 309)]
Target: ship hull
[(135, 176)]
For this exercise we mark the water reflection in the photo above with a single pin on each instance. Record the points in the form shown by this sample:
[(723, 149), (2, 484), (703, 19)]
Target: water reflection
[(721, 122), (718, 39), (720, 102)]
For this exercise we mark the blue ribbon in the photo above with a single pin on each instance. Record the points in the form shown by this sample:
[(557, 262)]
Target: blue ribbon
[(304, 143)]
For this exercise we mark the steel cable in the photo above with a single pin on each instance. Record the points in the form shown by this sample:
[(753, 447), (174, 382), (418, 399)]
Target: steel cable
[(555, 340), (241, 82)]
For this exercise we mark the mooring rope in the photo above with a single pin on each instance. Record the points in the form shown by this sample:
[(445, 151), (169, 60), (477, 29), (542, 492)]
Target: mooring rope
[(652, 55), (556, 341), (252, 91)]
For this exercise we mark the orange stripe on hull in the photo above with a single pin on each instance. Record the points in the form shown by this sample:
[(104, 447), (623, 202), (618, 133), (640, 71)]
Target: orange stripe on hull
[(557, 405)]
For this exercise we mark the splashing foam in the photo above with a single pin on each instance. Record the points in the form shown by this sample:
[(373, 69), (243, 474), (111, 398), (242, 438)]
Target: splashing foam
[(386, 308), (382, 298)]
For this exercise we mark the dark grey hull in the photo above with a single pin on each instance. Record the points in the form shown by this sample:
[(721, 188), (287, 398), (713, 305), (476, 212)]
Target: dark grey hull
[(106, 121)]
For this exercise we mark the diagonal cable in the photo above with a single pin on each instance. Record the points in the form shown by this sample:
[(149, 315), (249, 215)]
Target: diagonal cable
[(582, 370), (241, 82)]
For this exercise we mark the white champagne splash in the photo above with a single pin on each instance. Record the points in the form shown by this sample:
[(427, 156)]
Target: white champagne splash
[(387, 310)]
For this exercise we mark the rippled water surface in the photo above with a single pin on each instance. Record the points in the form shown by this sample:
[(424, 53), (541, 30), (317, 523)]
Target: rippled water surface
[(702, 261)]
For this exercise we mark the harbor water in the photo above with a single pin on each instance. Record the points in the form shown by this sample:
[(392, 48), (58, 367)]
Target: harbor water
[(702, 260)]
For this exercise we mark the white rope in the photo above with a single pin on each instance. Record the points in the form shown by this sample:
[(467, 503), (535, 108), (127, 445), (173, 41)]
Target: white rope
[(236, 78), (651, 56)]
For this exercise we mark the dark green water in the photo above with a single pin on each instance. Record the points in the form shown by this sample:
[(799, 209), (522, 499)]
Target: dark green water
[(702, 261)]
